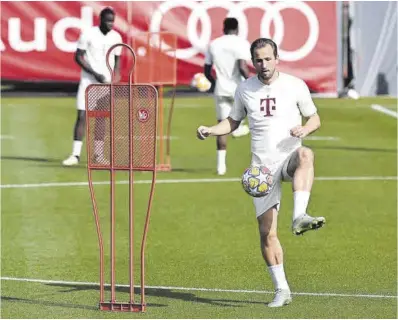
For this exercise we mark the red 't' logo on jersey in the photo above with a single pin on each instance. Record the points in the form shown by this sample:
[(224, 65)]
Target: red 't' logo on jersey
[(267, 105)]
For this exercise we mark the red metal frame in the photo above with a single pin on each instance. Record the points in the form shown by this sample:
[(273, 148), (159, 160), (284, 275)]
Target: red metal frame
[(164, 157), (113, 305)]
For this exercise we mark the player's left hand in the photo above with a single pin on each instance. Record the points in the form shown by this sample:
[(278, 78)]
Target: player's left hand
[(298, 132), (203, 132)]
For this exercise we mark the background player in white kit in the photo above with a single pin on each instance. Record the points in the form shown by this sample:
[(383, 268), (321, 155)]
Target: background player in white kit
[(274, 103), (229, 54), (90, 55)]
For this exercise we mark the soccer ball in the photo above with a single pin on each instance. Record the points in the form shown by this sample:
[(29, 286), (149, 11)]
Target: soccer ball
[(257, 181), (200, 82)]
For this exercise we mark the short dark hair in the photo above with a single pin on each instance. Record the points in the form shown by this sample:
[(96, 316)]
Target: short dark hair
[(261, 43), (230, 24), (106, 11)]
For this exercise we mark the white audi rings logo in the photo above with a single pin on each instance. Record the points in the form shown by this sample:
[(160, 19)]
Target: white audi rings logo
[(272, 13)]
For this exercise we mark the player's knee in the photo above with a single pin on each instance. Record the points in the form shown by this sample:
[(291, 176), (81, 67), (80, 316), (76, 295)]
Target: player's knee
[(306, 155)]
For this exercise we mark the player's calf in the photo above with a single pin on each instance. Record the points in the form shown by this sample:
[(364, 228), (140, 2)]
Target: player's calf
[(301, 168), (303, 179), (80, 126)]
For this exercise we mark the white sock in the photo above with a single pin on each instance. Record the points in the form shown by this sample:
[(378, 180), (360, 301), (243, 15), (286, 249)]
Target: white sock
[(99, 147), (278, 276), (301, 199), (77, 148), (221, 156)]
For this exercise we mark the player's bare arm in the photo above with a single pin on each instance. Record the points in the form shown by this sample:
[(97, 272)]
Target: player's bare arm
[(224, 127), (243, 68), (79, 58), (207, 72), (117, 68), (312, 124)]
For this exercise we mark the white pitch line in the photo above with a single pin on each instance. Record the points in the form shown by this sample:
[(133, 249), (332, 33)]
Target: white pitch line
[(320, 138), (384, 110), (6, 137), (324, 294), (167, 181)]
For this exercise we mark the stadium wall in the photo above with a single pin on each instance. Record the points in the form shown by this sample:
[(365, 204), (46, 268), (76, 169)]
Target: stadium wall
[(38, 38)]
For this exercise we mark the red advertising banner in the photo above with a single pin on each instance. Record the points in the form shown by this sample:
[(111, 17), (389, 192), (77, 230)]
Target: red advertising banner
[(38, 39)]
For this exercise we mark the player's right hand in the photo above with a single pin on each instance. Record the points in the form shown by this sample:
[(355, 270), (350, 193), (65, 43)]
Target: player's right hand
[(99, 77), (203, 132)]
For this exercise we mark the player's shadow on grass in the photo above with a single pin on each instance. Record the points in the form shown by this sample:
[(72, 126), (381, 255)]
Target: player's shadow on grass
[(165, 293), (58, 164), (59, 304), (45, 162), (47, 303), (33, 159)]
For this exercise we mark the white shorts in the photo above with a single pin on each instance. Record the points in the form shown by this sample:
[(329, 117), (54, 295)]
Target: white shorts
[(223, 107), (81, 92), (274, 197)]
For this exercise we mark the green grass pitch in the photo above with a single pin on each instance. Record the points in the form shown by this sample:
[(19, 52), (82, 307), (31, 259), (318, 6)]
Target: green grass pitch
[(203, 234)]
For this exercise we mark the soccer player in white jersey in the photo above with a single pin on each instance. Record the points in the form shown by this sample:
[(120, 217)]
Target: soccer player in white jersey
[(90, 55), (274, 103), (228, 54)]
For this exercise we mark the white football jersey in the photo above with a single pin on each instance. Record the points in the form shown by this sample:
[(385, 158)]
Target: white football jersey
[(224, 53), (96, 44), (273, 110)]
